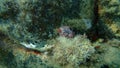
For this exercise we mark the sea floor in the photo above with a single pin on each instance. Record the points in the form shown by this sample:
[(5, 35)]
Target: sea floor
[(14, 55)]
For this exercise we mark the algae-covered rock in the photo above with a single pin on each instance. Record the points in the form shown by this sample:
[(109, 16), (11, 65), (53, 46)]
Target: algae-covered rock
[(28, 37), (81, 15), (109, 11), (68, 52), (34, 21), (112, 57), (107, 54), (29, 21), (13, 55), (82, 25)]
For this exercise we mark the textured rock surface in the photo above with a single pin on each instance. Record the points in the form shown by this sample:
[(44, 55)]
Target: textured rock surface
[(34, 21), (109, 11), (16, 56), (107, 54)]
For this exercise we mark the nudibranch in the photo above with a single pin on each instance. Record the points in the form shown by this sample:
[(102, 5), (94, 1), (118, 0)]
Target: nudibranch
[(65, 31)]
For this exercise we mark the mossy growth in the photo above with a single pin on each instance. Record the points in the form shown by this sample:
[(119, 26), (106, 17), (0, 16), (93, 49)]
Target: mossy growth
[(70, 51)]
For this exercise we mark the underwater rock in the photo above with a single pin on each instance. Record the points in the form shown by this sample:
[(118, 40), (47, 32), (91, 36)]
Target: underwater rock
[(82, 25), (109, 12), (33, 43), (80, 16), (111, 57), (107, 54), (34, 21)]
